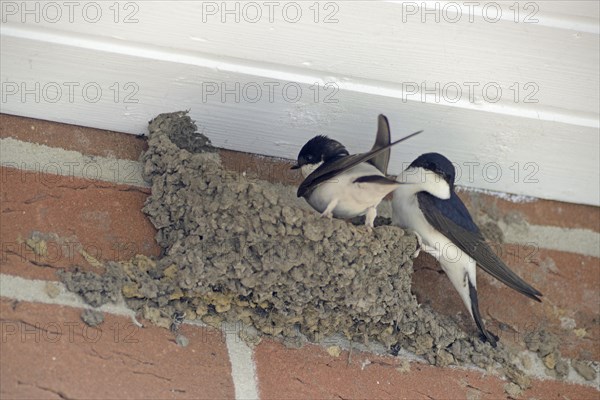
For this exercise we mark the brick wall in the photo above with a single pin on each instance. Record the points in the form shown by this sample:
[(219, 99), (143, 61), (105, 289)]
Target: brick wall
[(49, 352)]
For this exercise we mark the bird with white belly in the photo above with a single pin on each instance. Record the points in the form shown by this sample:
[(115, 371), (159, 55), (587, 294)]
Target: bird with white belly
[(343, 185), (427, 204)]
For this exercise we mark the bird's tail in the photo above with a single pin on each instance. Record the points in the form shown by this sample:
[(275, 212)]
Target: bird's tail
[(494, 266), (485, 334)]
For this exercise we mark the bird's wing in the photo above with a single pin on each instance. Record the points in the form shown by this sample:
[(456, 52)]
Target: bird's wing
[(383, 138), (332, 169), (453, 220)]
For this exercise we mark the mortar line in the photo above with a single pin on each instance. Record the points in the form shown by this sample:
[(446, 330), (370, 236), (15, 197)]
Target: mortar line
[(569, 240), (45, 160), (34, 291), (243, 367)]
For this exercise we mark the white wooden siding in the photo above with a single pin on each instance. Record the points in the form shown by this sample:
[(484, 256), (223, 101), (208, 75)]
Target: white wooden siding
[(372, 59)]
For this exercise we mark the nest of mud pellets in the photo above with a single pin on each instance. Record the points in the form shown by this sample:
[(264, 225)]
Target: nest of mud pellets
[(240, 249)]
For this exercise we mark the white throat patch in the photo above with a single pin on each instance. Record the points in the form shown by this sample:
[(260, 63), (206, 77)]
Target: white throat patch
[(426, 180), (307, 169)]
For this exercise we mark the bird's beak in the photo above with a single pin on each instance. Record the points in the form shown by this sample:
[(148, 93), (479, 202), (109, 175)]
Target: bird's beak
[(295, 166)]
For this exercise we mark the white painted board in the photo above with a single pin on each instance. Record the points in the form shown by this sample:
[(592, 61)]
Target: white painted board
[(540, 138)]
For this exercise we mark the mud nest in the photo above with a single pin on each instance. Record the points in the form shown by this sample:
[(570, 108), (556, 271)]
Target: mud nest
[(253, 250), (244, 249)]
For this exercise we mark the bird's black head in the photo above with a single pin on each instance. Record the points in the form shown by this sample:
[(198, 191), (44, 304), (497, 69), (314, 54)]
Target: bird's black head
[(320, 148), (437, 163)]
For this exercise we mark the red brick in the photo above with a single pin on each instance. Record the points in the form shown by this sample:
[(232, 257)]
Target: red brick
[(90, 141), (105, 218), (48, 352), (311, 373), (260, 167)]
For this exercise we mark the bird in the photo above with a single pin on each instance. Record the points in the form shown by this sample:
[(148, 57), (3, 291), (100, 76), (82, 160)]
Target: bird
[(427, 204), (338, 184)]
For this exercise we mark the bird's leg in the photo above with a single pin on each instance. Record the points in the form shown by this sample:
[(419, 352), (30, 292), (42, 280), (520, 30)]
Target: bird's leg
[(423, 246), (328, 213), (370, 218), (419, 246)]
